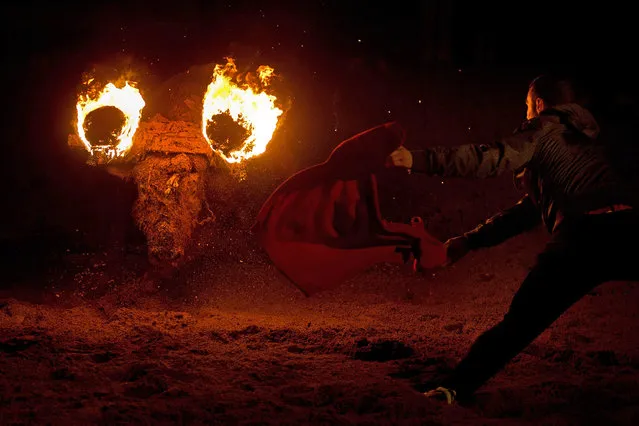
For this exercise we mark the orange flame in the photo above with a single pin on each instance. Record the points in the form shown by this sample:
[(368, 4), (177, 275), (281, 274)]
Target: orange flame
[(128, 100), (247, 105)]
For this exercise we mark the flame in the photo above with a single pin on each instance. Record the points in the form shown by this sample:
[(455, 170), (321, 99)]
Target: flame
[(248, 106), (128, 100)]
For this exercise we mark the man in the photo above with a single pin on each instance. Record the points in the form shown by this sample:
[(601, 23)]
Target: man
[(570, 187)]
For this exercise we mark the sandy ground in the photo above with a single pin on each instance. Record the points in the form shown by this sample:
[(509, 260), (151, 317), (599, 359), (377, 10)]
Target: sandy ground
[(227, 340)]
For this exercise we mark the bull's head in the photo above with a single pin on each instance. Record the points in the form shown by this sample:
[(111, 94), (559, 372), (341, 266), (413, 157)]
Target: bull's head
[(167, 143)]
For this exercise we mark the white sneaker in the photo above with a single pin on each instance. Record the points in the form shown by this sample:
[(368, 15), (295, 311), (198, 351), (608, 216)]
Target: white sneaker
[(442, 393)]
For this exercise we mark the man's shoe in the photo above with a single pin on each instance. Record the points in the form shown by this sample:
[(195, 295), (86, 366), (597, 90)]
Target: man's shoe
[(442, 393)]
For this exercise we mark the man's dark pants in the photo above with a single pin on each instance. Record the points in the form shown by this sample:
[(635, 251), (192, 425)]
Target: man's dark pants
[(584, 251)]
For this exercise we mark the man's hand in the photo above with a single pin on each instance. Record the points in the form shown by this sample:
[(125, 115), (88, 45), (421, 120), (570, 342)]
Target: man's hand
[(401, 157), (456, 248)]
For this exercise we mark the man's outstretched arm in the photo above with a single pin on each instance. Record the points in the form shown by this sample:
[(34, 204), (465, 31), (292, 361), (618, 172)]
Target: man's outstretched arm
[(475, 161), (471, 160), (506, 224), (519, 218)]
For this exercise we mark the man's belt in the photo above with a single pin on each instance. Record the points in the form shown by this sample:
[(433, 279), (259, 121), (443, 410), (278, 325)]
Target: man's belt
[(610, 209)]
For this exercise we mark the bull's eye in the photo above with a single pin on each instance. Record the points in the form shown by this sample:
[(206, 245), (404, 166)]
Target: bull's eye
[(107, 120), (103, 126)]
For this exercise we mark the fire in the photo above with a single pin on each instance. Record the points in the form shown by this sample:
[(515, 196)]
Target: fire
[(128, 100), (246, 104)]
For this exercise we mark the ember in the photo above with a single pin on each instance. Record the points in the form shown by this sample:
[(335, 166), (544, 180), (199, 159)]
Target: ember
[(232, 96)]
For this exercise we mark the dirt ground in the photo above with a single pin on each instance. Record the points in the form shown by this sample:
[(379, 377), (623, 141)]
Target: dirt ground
[(227, 340)]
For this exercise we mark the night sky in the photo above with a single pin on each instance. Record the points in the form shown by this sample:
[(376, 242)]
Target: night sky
[(473, 33), (48, 45), (586, 37)]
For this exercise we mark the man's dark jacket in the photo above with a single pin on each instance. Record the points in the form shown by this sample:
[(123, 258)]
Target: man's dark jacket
[(557, 161)]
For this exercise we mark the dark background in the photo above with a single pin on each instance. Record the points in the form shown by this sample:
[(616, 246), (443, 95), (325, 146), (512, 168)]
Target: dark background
[(346, 63), (226, 339)]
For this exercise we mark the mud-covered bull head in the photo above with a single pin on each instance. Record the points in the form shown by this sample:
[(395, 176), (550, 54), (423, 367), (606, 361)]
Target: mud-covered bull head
[(167, 140)]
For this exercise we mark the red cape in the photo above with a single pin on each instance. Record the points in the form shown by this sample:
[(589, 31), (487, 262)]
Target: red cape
[(323, 225)]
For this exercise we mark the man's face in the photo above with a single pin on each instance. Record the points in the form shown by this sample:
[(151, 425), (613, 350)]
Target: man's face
[(531, 110)]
